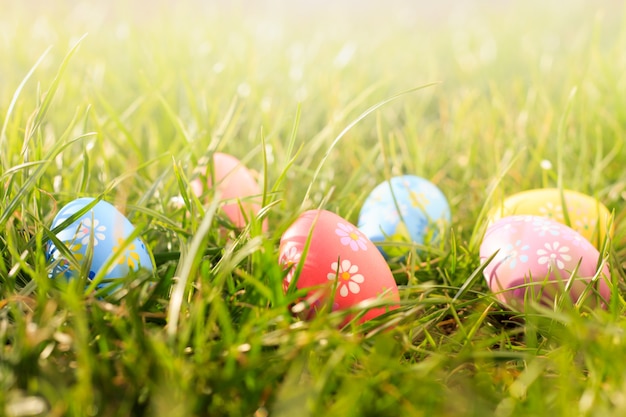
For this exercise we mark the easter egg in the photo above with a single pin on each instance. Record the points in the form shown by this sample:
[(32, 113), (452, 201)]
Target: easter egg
[(340, 260), (587, 215), (406, 210), (238, 188), (102, 230), (535, 257)]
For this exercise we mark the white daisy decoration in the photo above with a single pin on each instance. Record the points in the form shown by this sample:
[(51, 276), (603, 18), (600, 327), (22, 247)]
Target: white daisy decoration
[(347, 277)]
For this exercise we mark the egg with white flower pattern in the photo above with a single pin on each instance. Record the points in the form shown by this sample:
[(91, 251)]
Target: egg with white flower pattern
[(586, 215), (99, 234), (404, 211), (535, 258), (340, 261)]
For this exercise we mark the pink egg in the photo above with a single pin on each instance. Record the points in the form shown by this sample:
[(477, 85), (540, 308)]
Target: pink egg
[(536, 257), (339, 257), (237, 185)]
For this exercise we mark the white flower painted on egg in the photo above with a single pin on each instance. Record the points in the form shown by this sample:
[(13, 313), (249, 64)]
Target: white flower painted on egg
[(350, 236), (88, 228), (347, 277), (552, 211), (555, 254), (290, 259), (545, 226), (578, 241)]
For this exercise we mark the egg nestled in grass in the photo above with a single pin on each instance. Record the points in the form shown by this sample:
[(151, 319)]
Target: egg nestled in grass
[(96, 239), (583, 213), (540, 259), (341, 267), (237, 186), (406, 210)]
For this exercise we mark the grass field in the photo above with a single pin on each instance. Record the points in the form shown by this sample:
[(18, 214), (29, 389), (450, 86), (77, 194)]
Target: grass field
[(121, 100)]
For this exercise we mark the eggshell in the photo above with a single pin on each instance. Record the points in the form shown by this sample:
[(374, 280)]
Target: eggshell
[(339, 254), (237, 187), (536, 257), (108, 229), (405, 209), (587, 215)]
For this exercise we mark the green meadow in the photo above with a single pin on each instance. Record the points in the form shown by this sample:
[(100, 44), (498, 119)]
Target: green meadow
[(122, 101)]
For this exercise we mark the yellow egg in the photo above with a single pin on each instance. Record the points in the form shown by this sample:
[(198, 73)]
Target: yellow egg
[(586, 215)]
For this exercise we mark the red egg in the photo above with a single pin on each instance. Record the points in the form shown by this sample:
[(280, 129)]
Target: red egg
[(340, 260), (237, 186)]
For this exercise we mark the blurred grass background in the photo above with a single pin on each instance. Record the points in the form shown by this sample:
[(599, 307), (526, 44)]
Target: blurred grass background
[(161, 77), (155, 86)]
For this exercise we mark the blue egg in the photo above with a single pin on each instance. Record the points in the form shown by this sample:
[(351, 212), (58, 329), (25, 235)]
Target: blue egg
[(414, 213), (103, 230)]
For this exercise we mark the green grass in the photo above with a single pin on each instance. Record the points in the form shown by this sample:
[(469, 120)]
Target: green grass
[(123, 100)]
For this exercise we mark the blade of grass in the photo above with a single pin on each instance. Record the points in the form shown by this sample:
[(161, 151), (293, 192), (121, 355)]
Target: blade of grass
[(187, 265), (16, 95)]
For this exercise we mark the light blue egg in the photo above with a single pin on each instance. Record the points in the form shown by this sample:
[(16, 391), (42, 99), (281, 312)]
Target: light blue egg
[(413, 214), (104, 227)]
